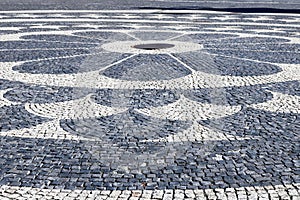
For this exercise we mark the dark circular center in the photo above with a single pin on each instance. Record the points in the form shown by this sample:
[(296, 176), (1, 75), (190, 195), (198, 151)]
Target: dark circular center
[(153, 46)]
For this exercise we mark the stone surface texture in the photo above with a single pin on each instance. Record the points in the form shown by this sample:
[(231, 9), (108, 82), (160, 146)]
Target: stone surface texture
[(86, 115)]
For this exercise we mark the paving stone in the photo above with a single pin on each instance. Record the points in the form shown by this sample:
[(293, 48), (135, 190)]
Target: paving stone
[(209, 111)]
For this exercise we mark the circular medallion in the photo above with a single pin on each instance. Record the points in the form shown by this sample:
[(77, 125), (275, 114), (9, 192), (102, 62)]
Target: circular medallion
[(154, 46), (151, 47)]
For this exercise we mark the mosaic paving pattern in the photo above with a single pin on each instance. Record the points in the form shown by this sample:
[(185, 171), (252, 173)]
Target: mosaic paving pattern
[(84, 114)]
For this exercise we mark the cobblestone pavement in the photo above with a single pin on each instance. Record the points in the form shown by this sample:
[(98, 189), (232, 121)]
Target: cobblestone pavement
[(160, 4), (149, 104)]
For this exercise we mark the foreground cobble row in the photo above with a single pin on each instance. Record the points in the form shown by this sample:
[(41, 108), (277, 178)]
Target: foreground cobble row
[(268, 192)]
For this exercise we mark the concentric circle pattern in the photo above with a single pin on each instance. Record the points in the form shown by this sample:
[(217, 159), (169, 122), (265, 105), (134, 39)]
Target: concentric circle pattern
[(102, 101)]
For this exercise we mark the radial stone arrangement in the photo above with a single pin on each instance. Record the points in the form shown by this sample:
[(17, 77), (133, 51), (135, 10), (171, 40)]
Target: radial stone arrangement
[(149, 104)]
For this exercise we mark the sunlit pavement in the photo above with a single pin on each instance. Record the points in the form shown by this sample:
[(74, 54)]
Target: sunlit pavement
[(149, 104)]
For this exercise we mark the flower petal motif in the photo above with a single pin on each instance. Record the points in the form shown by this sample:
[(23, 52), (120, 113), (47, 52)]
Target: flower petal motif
[(16, 55), (145, 67), (274, 50), (105, 36), (61, 38), (144, 36), (222, 65), (71, 65)]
